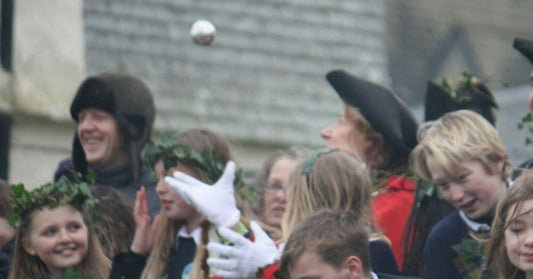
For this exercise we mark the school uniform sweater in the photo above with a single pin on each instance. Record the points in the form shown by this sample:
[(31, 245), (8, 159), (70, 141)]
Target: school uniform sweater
[(440, 257), (130, 265)]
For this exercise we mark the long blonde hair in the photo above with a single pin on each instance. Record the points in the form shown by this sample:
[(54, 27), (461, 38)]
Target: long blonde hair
[(26, 266), (335, 180), (157, 263)]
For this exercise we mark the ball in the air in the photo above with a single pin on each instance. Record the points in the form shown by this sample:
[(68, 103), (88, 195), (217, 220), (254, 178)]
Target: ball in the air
[(203, 32)]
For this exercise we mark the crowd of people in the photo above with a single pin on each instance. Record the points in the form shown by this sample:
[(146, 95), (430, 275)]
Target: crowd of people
[(384, 197)]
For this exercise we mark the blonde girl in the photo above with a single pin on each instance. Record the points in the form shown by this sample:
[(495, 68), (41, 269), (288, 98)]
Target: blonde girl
[(326, 180), (178, 236), (54, 232)]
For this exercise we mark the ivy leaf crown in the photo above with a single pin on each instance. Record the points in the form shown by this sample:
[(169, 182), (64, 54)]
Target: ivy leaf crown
[(467, 82), (170, 150), (51, 195)]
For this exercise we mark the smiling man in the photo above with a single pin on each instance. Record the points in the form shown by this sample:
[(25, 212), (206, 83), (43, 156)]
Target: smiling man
[(114, 115)]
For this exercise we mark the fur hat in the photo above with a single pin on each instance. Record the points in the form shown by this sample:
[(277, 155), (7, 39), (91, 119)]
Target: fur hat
[(476, 97), (387, 113), (129, 100), (525, 47)]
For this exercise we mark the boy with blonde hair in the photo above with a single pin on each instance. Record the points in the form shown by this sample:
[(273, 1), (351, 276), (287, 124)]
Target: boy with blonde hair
[(463, 155)]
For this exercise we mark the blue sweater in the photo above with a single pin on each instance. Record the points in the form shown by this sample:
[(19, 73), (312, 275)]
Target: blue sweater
[(441, 260)]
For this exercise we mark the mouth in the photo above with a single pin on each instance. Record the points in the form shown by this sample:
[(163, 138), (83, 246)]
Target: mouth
[(469, 206), (278, 209), (166, 204), (66, 252), (528, 257)]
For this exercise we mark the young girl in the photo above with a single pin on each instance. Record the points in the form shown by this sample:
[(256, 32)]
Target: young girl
[(463, 155), (180, 231), (54, 232), (326, 180), (511, 251)]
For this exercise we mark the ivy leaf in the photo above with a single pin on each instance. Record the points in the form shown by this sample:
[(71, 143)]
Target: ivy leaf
[(468, 249)]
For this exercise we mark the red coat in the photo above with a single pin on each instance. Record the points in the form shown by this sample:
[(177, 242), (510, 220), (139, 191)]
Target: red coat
[(391, 209)]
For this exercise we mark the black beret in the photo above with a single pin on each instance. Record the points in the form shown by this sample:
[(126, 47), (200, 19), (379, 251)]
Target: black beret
[(385, 111), (479, 99)]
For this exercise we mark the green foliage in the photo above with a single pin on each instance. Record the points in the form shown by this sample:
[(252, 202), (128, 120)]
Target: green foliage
[(71, 274), (171, 151), (467, 82), (50, 195), (527, 125), (469, 249), (427, 190)]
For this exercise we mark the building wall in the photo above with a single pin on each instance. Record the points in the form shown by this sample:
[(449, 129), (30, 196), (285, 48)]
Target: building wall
[(261, 82), (430, 39), (48, 64)]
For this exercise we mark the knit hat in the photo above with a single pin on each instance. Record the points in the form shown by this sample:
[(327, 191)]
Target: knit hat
[(384, 110), (129, 100), (525, 47)]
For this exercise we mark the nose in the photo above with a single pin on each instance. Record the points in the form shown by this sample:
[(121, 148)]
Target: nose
[(280, 195), (161, 187), (64, 236), (326, 133), (85, 124), (456, 193)]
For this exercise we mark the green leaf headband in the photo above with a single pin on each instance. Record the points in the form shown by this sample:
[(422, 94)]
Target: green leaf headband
[(308, 165), (49, 195), (170, 150), (466, 82)]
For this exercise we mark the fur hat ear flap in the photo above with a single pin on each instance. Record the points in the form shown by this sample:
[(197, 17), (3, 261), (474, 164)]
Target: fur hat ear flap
[(78, 156)]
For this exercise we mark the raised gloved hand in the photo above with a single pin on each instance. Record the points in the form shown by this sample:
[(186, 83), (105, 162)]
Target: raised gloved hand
[(244, 258), (216, 202)]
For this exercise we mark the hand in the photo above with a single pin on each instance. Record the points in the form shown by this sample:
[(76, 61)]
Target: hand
[(216, 202), (145, 231), (244, 258)]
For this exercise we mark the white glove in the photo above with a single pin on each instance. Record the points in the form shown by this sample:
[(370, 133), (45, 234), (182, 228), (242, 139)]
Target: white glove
[(216, 202), (244, 258)]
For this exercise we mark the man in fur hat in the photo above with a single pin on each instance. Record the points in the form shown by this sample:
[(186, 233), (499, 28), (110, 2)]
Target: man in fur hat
[(114, 115)]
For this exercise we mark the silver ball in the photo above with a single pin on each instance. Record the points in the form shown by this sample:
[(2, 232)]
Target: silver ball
[(203, 32)]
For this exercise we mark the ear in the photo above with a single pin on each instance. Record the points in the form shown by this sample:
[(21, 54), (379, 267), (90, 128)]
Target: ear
[(353, 267), (27, 246), (498, 166)]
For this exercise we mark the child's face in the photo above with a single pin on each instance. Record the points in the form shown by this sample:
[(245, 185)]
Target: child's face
[(171, 202), (473, 190), (58, 236), (519, 237)]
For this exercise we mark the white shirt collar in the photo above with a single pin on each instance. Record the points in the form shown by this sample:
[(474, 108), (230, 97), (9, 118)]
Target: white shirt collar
[(374, 276), (196, 234), (474, 226)]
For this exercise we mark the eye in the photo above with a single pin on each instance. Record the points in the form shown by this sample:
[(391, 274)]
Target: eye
[(49, 232), (74, 227), (516, 228), (274, 187), (463, 177)]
